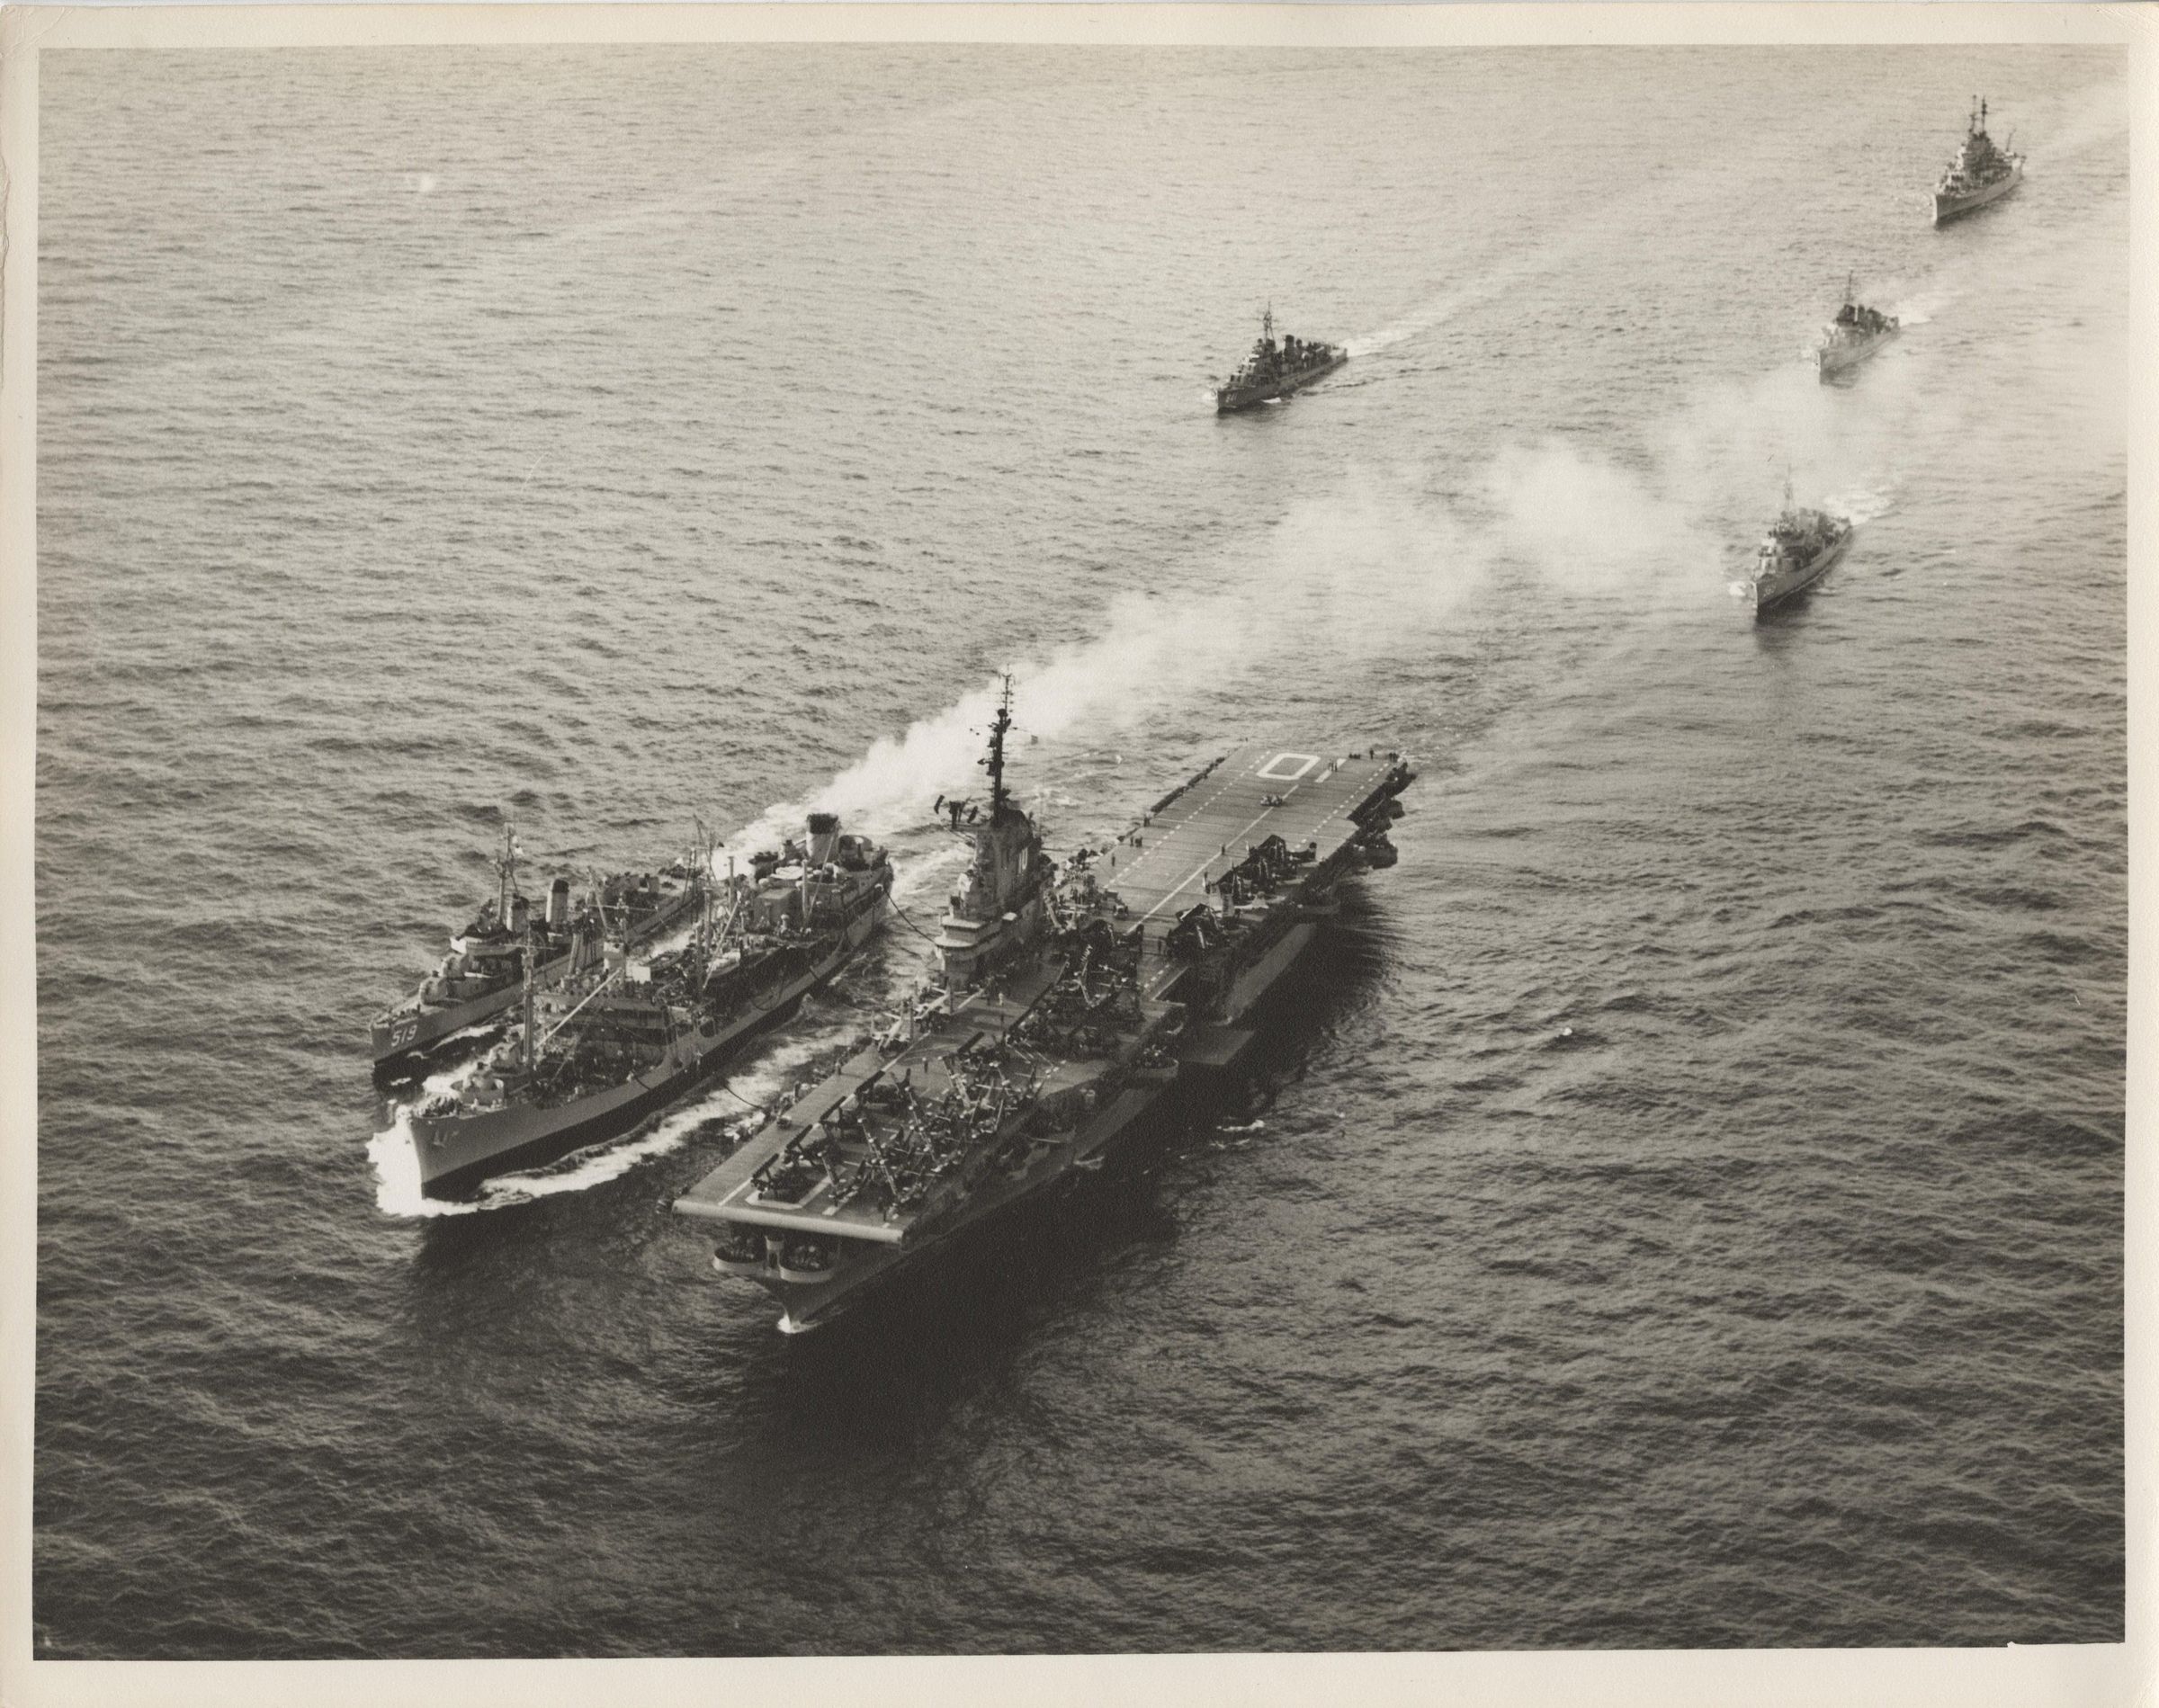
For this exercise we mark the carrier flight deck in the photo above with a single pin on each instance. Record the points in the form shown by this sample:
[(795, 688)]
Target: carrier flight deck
[(1165, 865)]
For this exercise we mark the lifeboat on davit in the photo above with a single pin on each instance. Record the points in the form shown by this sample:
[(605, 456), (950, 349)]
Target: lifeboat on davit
[(806, 1260), (740, 1252)]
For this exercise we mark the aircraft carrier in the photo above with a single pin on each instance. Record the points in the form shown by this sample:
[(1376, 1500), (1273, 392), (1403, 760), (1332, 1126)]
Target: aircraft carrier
[(1076, 995)]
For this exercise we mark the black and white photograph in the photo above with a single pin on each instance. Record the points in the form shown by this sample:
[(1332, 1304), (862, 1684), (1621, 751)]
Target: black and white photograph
[(1106, 844)]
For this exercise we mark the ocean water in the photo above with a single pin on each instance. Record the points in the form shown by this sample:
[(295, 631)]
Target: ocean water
[(1680, 1207)]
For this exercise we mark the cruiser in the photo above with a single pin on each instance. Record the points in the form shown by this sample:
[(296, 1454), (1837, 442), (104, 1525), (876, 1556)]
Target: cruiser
[(1855, 333), (603, 1051), (1795, 552), (1276, 370), (1075, 997), (1980, 173)]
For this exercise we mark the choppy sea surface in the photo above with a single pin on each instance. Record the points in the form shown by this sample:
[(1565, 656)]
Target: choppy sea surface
[(1681, 1207)]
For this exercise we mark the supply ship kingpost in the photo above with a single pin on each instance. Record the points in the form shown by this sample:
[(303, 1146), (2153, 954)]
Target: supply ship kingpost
[(1275, 369), (1074, 997), (608, 1047), (1980, 173)]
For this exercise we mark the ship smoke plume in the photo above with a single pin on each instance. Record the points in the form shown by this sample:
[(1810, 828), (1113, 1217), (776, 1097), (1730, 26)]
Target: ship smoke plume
[(1374, 570), (1368, 573), (1356, 570)]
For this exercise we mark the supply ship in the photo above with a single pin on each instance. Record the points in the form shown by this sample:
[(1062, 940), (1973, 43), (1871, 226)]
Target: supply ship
[(1275, 369), (486, 971), (1074, 997), (1795, 552), (602, 1050), (1980, 173), (1855, 333)]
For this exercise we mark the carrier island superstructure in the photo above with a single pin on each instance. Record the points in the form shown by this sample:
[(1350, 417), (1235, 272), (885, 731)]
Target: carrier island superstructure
[(1075, 993)]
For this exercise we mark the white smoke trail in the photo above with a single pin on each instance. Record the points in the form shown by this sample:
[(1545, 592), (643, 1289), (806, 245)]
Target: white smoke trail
[(1375, 569), (1340, 574), (1722, 460), (1585, 524)]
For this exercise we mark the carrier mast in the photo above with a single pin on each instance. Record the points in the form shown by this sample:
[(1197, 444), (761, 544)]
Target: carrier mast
[(995, 763)]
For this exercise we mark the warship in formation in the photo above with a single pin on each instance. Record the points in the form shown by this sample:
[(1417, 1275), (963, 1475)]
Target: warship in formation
[(1075, 995), (603, 1049), (1980, 173), (1855, 333), (482, 976), (1795, 552), (1275, 369)]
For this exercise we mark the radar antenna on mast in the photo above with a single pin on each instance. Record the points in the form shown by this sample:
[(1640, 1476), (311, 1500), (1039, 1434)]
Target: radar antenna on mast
[(995, 763), (506, 872)]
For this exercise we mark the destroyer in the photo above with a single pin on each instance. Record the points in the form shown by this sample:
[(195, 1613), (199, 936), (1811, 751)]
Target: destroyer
[(481, 976), (1980, 173), (1855, 333), (601, 1052), (1074, 997), (1795, 552), (1275, 369)]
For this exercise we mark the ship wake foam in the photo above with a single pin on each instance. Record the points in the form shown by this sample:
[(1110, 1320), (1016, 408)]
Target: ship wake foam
[(1494, 277), (1860, 505), (2091, 116)]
